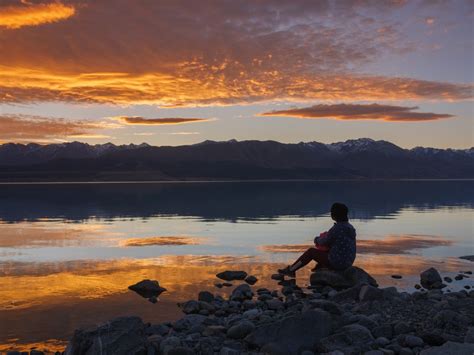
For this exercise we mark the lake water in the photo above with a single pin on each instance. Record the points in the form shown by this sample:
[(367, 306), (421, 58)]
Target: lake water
[(69, 251)]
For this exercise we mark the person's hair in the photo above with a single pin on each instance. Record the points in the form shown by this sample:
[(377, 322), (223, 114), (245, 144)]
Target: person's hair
[(339, 212)]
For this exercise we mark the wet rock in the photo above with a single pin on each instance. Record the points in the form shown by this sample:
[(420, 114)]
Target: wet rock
[(227, 284), (180, 350), (430, 279), (450, 348), (417, 286), (459, 277), (205, 296), (396, 276), (241, 293), (342, 279), (240, 330), (251, 280), (448, 279), (381, 341), (232, 275), (218, 285), (279, 277), (124, 335), (147, 288), (352, 338), (293, 334), (467, 257)]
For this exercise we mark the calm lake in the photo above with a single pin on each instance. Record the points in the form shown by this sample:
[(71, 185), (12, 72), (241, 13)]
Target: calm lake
[(68, 252)]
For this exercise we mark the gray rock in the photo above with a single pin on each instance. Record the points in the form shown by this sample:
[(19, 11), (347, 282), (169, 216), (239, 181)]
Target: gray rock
[(241, 293), (352, 338), (327, 306), (469, 338), (402, 328), (240, 330), (384, 330), (293, 334), (413, 341), (251, 280), (347, 294), (364, 321), (228, 351), (450, 348), (396, 276), (160, 329), (451, 319), (448, 279), (430, 279), (342, 279), (274, 304), (124, 335), (189, 321), (370, 293), (381, 341), (191, 306), (205, 296), (251, 313), (374, 352), (405, 351), (467, 257), (232, 275), (180, 350)]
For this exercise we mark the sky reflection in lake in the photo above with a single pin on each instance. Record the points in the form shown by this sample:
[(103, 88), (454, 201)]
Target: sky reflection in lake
[(79, 246)]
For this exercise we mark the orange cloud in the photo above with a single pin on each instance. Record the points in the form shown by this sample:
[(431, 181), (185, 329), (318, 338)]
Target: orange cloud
[(360, 112), (27, 14), (134, 120), (25, 128), (251, 51)]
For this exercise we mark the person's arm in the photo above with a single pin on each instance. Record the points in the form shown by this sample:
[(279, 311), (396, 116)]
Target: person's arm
[(328, 240)]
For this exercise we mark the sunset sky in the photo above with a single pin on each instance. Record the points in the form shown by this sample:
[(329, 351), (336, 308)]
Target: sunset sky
[(183, 71)]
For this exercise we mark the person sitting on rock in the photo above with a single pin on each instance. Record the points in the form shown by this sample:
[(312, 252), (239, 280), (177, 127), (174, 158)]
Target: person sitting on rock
[(335, 249)]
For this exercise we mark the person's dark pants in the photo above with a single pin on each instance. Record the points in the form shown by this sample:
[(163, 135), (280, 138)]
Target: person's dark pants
[(320, 256)]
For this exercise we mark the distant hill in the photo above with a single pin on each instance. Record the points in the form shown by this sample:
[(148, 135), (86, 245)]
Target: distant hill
[(353, 159)]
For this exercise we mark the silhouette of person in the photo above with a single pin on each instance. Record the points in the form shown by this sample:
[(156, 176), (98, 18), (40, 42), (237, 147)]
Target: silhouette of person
[(334, 249)]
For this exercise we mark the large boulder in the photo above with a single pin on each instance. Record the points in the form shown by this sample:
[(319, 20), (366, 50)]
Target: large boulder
[(124, 335), (450, 348), (431, 279), (232, 275), (294, 334), (347, 278)]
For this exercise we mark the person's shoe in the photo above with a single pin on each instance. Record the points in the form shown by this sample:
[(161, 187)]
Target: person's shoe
[(287, 272)]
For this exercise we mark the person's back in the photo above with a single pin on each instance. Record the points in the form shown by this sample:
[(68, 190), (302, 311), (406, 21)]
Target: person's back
[(341, 240)]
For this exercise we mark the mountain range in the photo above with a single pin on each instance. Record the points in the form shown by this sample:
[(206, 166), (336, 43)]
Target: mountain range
[(362, 158)]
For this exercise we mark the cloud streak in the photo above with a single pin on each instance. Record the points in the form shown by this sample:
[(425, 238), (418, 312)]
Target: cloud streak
[(359, 112), (27, 14), (392, 244), (163, 240), (135, 120), (26, 128)]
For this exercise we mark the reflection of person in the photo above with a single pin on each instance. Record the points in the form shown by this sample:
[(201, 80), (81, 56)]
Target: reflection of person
[(334, 249)]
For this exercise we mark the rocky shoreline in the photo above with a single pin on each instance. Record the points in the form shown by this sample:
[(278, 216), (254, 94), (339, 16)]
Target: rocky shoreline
[(340, 313)]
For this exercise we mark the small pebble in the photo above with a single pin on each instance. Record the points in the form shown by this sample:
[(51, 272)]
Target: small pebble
[(396, 276)]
